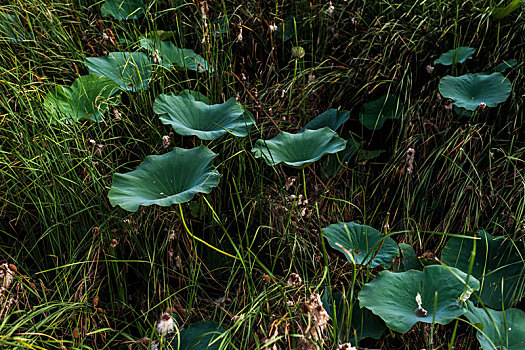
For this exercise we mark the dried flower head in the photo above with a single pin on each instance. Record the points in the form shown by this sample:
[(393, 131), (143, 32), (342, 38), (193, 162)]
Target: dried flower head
[(294, 280), (318, 316), (165, 325)]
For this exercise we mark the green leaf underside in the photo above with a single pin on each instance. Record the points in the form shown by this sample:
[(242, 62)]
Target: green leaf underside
[(496, 259), (196, 95), (199, 336), (366, 244), (332, 165), (501, 12), (499, 331), (373, 114), (364, 324), (299, 150), (88, 98), (130, 70), (470, 90), (459, 55), (331, 118), (171, 178), (123, 9), (503, 66), (173, 55), (189, 117), (392, 296)]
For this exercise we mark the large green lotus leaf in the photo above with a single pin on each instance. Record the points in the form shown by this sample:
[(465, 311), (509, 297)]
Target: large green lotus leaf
[(470, 90), (363, 324), (123, 9), (366, 244), (171, 178), (188, 116), (501, 330), (496, 260), (392, 296), (373, 114), (331, 118), (199, 336), (459, 55), (130, 70), (170, 54), (299, 150), (88, 98)]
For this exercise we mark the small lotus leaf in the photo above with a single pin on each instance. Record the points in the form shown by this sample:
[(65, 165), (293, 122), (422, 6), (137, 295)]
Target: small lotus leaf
[(332, 118), (470, 90), (373, 114), (364, 324), (496, 260), (366, 244), (410, 260), (500, 331), (459, 55), (170, 54), (11, 28), (123, 9), (188, 116), (503, 66), (171, 178), (299, 150), (130, 70), (392, 296), (88, 98), (199, 336)]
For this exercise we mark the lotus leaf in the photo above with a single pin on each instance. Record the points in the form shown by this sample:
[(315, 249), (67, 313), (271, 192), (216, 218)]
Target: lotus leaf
[(11, 28), (123, 9), (496, 260), (501, 12), (170, 54), (364, 324), (470, 90), (130, 70), (188, 116), (197, 95), (332, 164), (373, 114), (366, 244), (503, 66), (410, 260), (171, 178), (500, 331), (332, 118), (88, 98), (459, 55), (199, 336), (299, 150), (393, 296)]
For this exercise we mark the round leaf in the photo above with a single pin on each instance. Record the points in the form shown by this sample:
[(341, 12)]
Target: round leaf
[(172, 55), (373, 114), (470, 90), (88, 98), (332, 118), (130, 70), (123, 9), (199, 336), (171, 178), (299, 150), (496, 260), (392, 296), (459, 55), (366, 244), (188, 116), (499, 330), (364, 324)]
